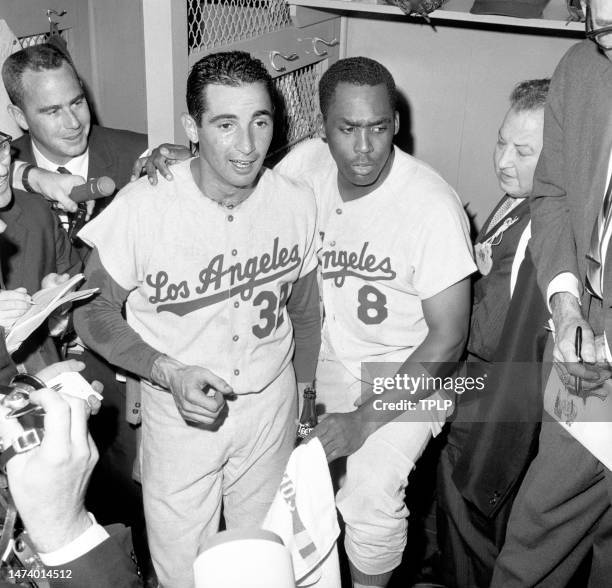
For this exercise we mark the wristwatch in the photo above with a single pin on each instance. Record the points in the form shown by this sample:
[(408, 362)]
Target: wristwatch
[(25, 178)]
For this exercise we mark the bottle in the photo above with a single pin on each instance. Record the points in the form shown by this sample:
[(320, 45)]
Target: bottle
[(308, 419)]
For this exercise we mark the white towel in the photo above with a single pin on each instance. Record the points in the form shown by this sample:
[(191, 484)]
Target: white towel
[(303, 514)]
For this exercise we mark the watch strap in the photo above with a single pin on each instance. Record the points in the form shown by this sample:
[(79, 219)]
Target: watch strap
[(28, 440), (25, 178)]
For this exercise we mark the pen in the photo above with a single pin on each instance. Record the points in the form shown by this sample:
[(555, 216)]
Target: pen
[(578, 350)]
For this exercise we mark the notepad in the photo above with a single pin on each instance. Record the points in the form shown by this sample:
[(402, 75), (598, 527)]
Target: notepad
[(44, 302), (588, 422)]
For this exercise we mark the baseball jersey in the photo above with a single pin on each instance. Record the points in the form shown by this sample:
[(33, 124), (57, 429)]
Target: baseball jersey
[(209, 285), (382, 254)]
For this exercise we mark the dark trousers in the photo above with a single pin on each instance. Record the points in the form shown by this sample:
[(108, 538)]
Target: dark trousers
[(561, 512), (113, 496), (468, 540)]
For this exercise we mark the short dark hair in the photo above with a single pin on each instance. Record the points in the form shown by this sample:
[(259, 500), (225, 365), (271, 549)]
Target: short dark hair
[(36, 58), (530, 95), (229, 68), (360, 71)]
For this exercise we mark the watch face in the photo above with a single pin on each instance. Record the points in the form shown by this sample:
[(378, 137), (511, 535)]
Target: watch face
[(18, 398)]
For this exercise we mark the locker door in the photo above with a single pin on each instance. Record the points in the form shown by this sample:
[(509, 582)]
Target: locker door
[(295, 55)]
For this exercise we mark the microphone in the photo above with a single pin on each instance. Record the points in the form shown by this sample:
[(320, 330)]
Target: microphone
[(93, 189)]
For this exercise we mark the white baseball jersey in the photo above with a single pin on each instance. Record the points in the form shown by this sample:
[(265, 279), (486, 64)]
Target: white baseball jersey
[(382, 254), (209, 285)]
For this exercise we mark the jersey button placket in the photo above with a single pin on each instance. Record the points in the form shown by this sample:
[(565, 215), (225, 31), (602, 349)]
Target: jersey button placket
[(234, 319)]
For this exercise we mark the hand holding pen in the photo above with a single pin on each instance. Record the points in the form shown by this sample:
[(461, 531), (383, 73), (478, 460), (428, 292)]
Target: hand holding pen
[(578, 350), (13, 304), (589, 377)]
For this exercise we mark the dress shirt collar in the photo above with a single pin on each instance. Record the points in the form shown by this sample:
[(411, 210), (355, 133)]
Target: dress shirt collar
[(76, 166)]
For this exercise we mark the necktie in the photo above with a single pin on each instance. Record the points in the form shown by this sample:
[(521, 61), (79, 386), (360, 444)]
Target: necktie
[(501, 212), (73, 223), (64, 220), (595, 254)]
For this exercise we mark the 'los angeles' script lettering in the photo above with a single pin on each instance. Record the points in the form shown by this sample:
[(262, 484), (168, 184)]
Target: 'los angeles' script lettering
[(221, 280), (339, 264)]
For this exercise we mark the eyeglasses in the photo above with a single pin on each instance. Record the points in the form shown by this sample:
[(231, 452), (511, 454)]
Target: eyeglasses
[(602, 36), (5, 144)]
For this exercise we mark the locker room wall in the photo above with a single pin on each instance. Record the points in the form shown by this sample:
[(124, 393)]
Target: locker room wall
[(118, 64), (457, 82)]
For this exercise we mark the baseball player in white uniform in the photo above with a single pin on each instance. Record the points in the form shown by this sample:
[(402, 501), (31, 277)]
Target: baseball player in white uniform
[(216, 270), (395, 261)]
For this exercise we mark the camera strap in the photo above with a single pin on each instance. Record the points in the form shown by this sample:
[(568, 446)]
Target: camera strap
[(16, 551)]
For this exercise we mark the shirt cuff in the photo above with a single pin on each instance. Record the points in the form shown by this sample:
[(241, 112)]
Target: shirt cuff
[(91, 538), (563, 282), (18, 169)]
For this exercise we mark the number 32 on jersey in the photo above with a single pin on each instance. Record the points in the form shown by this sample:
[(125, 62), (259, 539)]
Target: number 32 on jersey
[(272, 310)]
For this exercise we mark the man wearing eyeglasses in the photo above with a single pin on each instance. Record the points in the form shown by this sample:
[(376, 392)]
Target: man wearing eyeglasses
[(563, 511), (49, 101)]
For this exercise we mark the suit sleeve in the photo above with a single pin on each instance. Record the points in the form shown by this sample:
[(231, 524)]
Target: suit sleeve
[(111, 563), (7, 366), (553, 242)]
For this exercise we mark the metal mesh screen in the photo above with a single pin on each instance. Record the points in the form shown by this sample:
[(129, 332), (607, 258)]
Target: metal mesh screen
[(216, 23), (298, 94), (38, 39)]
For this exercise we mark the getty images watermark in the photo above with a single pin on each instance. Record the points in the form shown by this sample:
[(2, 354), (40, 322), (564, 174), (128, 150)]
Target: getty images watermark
[(440, 389), (418, 392), (497, 392)]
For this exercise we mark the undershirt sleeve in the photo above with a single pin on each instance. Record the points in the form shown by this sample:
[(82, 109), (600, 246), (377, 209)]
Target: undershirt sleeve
[(102, 327), (303, 310)]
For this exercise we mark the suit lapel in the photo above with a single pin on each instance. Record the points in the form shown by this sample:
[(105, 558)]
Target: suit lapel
[(100, 159), (23, 147), (601, 147), (16, 232)]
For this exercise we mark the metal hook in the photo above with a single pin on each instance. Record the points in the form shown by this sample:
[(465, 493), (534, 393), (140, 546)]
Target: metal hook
[(323, 52), (50, 11), (275, 54)]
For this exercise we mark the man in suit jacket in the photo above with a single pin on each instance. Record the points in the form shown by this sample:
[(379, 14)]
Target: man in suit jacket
[(477, 480), (563, 510), (35, 252), (48, 100), (48, 484)]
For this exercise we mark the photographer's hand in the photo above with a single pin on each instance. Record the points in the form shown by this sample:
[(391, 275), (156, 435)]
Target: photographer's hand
[(48, 483), (72, 365)]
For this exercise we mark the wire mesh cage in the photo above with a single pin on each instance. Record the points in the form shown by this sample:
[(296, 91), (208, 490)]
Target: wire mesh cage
[(216, 23), (298, 96), (32, 40)]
